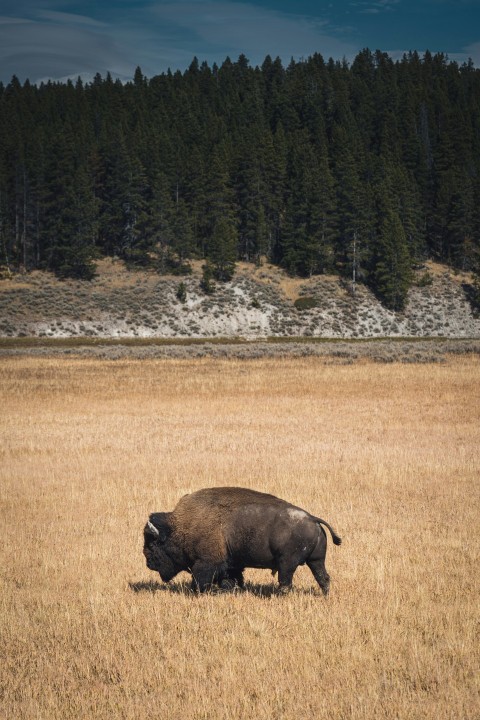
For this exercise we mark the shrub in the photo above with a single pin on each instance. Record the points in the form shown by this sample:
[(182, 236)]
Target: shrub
[(183, 268), (181, 292), (206, 283), (425, 280), (305, 303)]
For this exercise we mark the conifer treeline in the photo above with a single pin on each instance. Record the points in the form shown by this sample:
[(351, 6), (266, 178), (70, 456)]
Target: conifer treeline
[(320, 166)]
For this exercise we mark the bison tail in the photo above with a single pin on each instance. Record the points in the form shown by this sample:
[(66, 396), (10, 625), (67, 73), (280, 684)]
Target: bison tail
[(337, 540)]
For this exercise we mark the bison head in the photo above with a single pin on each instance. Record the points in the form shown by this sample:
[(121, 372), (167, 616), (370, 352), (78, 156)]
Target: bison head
[(161, 551)]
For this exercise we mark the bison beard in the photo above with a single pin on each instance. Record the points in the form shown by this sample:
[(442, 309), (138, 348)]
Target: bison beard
[(218, 532)]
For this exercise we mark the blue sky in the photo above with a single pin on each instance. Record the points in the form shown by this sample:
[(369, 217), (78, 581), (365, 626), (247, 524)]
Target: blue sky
[(58, 39)]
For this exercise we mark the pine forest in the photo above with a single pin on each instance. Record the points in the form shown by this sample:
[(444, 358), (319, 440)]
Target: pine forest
[(363, 169)]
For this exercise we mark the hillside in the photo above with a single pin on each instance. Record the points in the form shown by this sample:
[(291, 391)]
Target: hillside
[(258, 302), (321, 167)]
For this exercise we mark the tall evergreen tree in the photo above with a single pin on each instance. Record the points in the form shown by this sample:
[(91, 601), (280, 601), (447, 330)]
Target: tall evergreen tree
[(182, 234), (70, 212), (125, 223), (390, 274), (275, 159), (223, 248)]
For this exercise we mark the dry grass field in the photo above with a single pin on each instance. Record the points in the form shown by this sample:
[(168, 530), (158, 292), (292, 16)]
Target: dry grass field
[(389, 454)]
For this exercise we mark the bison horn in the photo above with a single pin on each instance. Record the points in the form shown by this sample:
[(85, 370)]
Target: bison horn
[(152, 528)]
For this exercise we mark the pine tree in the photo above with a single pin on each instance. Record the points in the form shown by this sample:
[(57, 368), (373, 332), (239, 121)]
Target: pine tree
[(70, 211), (261, 234), (390, 276), (250, 194), (222, 250), (349, 215), (182, 237), (275, 160), (125, 222), (161, 208), (221, 220), (458, 234)]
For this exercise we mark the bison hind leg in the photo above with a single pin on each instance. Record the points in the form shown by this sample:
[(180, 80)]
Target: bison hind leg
[(320, 574), (286, 570), (316, 563)]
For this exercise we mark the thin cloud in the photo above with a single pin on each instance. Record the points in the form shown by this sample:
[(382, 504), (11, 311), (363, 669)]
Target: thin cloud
[(12, 20), (374, 8), (38, 50), (234, 28), (30, 7), (69, 18), (51, 43)]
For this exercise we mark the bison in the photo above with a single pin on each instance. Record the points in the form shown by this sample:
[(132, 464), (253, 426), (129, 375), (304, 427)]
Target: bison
[(216, 533)]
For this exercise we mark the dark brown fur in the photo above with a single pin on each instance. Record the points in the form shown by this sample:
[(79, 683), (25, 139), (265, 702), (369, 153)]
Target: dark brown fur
[(216, 532)]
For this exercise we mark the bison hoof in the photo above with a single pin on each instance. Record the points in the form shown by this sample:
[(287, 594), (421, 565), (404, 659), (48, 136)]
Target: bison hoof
[(284, 589), (229, 586)]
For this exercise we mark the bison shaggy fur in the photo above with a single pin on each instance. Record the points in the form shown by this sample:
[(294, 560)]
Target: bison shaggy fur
[(215, 533)]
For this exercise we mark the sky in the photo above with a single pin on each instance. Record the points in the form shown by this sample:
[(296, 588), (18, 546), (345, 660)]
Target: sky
[(61, 39)]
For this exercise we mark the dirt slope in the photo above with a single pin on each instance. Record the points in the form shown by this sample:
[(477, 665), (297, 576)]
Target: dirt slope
[(257, 303)]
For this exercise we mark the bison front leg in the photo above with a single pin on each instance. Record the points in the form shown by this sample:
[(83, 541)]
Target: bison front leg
[(205, 574), (233, 580)]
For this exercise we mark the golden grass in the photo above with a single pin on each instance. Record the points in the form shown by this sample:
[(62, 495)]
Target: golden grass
[(387, 453)]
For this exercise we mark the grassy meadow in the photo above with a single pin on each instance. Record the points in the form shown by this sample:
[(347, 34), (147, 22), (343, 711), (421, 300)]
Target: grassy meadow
[(388, 454)]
